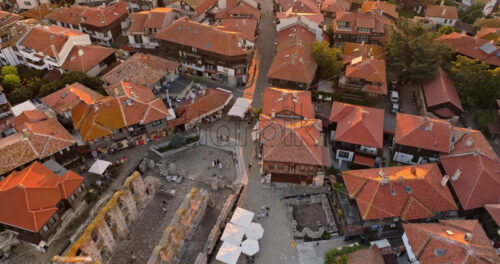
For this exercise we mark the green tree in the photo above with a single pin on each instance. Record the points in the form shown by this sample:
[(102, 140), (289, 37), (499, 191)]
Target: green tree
[(329, 60), (28, 73), (69, 78), (329, 33), (10, 82), (446, 30), (412, 52), (35, 84), (19, 95), (471, 13), (9, 70), (177, 141)]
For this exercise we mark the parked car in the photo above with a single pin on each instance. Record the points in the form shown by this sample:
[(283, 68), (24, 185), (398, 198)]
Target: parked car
[(395, 108), (394, 97)]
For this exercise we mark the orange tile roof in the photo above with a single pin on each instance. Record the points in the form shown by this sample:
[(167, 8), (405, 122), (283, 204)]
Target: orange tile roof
[(440, 90), (442, 11), (366, 256), (200, 6), (369, 70), (247, 27), (41, 38), (317, 18), (416, 195), (204, 37), (157, 18), (494, 211), (380, 6), (99, 119), (294, 64), (287, 102), (300, 6), (487, 23), (33, 194), (240, 9), (141, 69), (7, 18), (489, 34), (85, 58), (353, 50), (422, 132), (294, 36), (292, 141), (68, 97), (374, 21), (335, 5), (425, 238), (479, 168), (39, 12), (211, 100), (97, 16), (358, 124), (470, 47), (16, 151)]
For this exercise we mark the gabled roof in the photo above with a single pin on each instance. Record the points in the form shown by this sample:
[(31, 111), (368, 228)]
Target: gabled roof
[(358, 124), (84, 58), (7, 18), (475, 48), (335, 5), (369, 70), (287, 102), (292, 141), (494, 211), (353, 50), (39, 12), (16, 151), (478, 169), (489, 34), (29, 197), (366, 256), (423, 132), (247, 27), (382, 7), (98, 16), (68, 97), (204, 37), (299, 6), (240, 9), (41, 38), (407, 195), (211, 100), (294, 64), (316, 18), (487, 23), (157, 18), (448, 236), (441, 90), (442, 11), (142, 69), (374, 21), (294, 36), (200, 6)]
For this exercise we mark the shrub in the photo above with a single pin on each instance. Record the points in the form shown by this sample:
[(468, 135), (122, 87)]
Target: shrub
[(325, 235), (483, 118), (178, 140)]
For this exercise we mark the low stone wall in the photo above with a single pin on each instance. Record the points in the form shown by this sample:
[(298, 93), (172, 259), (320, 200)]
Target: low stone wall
[(155, 148), (213, 237), (181, 228)]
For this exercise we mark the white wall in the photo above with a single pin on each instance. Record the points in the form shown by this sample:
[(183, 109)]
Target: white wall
[(9, 55), (349, 158), (300, 20), (441, 21), (27, 4)]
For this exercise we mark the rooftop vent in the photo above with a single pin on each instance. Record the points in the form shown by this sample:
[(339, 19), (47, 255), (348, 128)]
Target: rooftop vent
[(467, 237), (469, 142), (439, 252), (381, 172), (449, 232), (408, 189), (385, 181), (444, 181), (430, 126), (456, 175), (413, 170), (64, 94), (393, 192)]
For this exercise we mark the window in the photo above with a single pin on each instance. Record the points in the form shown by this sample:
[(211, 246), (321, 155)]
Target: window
[(393, 192), (362, 38), (72, 197), (302, 167), (439, 252), (138, 39), (52, 221), (311, 168), (45, 228), (280, 166), (155, 123), (80, 189), (360, 29), (271, 165), (194, 49), (291, 168), (26, 3), (446, 21), (343, 154), (408, 189), (153, 40)]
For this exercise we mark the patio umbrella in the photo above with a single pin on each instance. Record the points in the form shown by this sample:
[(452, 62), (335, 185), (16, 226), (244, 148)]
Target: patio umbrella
[(233, 234), (254, 231), (242, 217), (228, 253), (250, 247), (99, 166)]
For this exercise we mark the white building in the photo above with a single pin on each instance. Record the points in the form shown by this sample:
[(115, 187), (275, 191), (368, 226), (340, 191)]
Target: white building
[(144, 25), (442, 14), (28, 4)]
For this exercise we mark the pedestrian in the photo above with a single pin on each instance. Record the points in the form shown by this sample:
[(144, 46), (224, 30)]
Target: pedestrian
[(220, 165), (249, 166), (213, 163), (267, 213), (164, 209), (132, 256)]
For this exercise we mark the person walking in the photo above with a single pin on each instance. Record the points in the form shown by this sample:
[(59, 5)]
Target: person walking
[(132, 256)]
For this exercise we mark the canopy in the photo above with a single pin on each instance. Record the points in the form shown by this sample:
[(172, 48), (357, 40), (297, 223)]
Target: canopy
[(233, 234), (242, 217), (250, 247), (228, 253), (99, 166), (254, 231), (240, 107)]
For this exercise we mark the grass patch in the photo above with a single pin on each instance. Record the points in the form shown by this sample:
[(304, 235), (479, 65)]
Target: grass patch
[(188, 141)]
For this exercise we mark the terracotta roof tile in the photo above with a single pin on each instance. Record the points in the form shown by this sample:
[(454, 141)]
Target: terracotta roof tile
[(84, 58), (39, 12), (441, 90), (369, 70), (41, 38), (68, 97), (426, 238), (487, 23), (293, 36), (442, 11), (382, 7), (200, 6), (247, 27), (97, 16), (7, 18), (157, 18), (317, 18), (366, 256), (358, 124), (353, 50), (471, 47), (335, 5), (293, 64), (494, 211), (141, 69), (479, 169), (421, 132), (300, 6), (212, 99), (240, 9), (406, 195), (33, 194), (489, 34), (16, 151), (204, 37), (287, 102), (374, 21)]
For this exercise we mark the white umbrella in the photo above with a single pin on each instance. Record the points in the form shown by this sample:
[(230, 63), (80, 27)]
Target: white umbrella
[(250, 247), (254, 231), (99, 166), (228, 253), (242, 217), (233, 234)]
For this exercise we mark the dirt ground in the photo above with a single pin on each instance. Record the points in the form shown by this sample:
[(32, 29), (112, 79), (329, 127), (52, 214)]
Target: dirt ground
[(309, 215)]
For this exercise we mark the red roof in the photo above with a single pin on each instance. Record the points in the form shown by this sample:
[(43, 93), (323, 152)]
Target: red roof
[(494, 210), (313, 17), (449, 236), (471, 47), (68, 97), (294, 64), (33, 194), (423, 132), (406, 194), (440, 90), (369, 70), (287, 102), (241, 9), (84, 58), (366, 161), (214, 99), (247, 27), (374, 21), (299, 6), (358, 124), (366, 256), (293, 36), (98, 16), (157, 18), (478, 169), (335, 5), (42, 38), (382, 7), (442, 11)]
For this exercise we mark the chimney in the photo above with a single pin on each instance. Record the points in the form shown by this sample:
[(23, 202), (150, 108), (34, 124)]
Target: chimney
[(463, 33), (54, 50), (442, 3), (316, 142), (469, 142), (444, 180), (456, 175), (273, 113), (444, 11), (413, 170), (381, 173), (96, 107), (430, 126), (384, 181), (467, 237)]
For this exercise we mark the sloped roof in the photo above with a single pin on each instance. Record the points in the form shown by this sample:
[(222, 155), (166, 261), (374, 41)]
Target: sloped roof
[(425, 238), (292, 141), (353, 50), (335, 5), (317, 18), (33, 194), (366, 256), (204, 37), (68, 97), (294, 36), (299, 6), (83, 58), (287, 102), (380, 6), (157, 18), (407, 195), (293, 64), (423, 132), (489, 34), (440, 90), (212, 99), (240, 9), (494, 211), (487, 23), (16, 151), (142, 69), (479, 169), (358, 124), (247, 27), (39, 12), (370, 70), (370, 20), (98, 16), (41, 38), (200, 6), (7, 18), (471, 47), (442, 11)]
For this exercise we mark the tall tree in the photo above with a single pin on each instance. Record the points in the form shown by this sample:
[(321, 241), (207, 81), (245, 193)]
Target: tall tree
[(9, 70), (10, 82), (412, 52), (329, 60), (471, 13)]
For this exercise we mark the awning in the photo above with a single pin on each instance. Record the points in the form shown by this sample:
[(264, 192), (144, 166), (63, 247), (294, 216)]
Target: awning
[(250, 247), (233, 234), (242, 217), (228, 253), (362, 160), (99, 166), (240, 107), (254, 231)]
